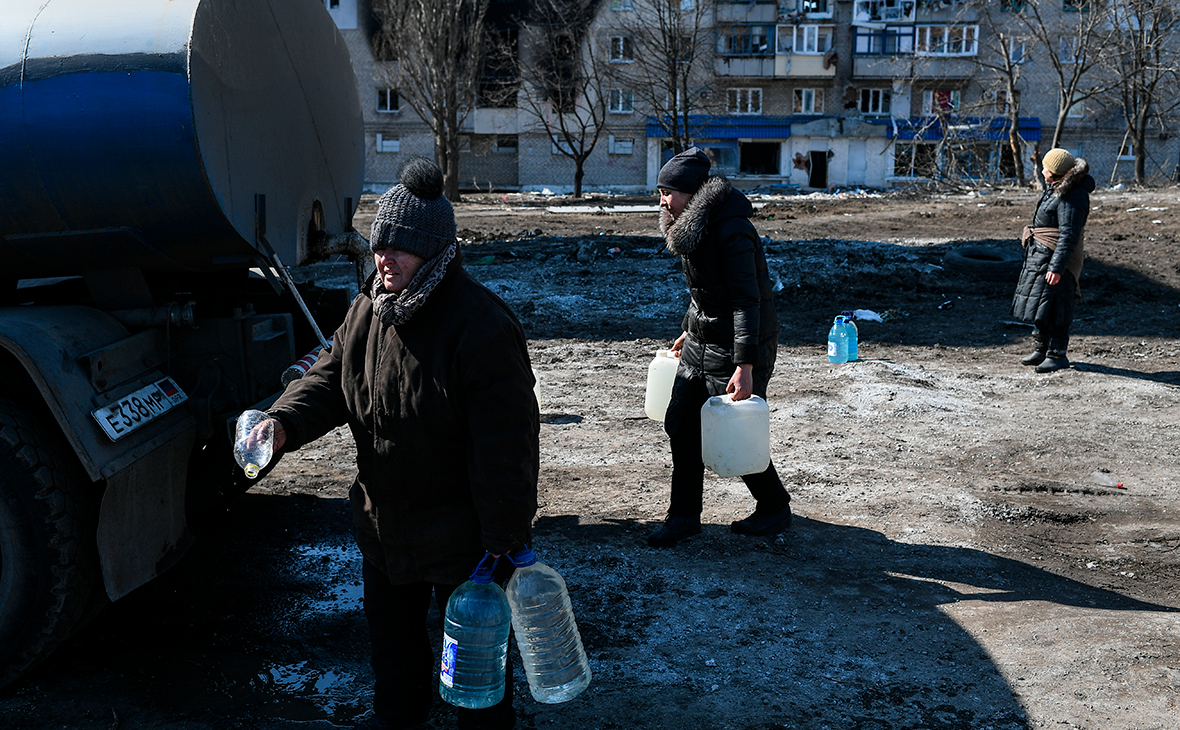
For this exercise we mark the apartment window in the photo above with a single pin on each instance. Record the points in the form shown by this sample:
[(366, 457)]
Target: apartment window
[(622, 101), (1075, 5), (883, 11), (810, 39), (388, 143), (746, 40), (947, 40), (890, 41), (622, 5), (875, 101), (1016, 50), (387, 101), (940, 101), (999, 99), (808, 101), (681, 48), (506, 144), (1079, 106), (971, 159), (621, 50), (562, 148), (914, 159), (1127, 151), (1013, 5), (744, 101), (620, 145), (333, 4), (816, 8), (1068, 50)]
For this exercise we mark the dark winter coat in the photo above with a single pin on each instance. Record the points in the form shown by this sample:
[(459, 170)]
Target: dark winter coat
[(732, 318), (446, 427), (1065, 206)]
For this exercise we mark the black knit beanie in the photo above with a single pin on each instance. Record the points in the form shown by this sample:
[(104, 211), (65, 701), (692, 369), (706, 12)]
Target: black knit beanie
[(685, 172), (414, 216)]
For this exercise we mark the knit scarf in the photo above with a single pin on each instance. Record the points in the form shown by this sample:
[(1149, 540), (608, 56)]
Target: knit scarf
[(393, 308)]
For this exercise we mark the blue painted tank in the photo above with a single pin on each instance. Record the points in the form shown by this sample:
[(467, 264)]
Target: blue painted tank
[(139, 133)]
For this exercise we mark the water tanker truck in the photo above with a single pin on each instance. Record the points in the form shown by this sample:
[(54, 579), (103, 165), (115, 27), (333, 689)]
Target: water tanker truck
[(164, 166)]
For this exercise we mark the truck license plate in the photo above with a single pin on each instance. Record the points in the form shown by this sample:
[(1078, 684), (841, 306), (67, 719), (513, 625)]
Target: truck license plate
[(139, 408)]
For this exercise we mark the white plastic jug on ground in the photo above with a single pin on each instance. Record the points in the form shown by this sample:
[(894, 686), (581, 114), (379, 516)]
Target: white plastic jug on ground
[(661, 373), (735, 435)]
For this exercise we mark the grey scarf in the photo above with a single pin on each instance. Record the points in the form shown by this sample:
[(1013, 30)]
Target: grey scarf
[(393, 308)]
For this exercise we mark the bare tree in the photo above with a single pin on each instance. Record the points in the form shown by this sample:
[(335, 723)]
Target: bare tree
[(1076, 43), (564, 78), (1002, 50), (1147, 33), (663, 51), (438, 50)]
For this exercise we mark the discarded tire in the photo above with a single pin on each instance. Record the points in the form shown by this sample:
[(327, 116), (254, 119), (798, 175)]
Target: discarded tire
[(989, 263)]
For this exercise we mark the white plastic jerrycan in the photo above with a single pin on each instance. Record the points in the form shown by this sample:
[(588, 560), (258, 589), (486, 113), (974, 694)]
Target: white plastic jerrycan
[(661, 373), (735, 436)]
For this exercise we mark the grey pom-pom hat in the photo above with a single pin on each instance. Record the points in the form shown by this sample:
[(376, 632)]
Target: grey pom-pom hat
[(414, 216)]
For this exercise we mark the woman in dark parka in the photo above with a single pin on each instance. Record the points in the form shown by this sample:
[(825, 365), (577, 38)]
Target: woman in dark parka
[(729, 341), (1053, 257), (431, 373)]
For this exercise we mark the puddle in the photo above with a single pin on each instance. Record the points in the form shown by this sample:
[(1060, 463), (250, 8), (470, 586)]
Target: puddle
[(338, 568)]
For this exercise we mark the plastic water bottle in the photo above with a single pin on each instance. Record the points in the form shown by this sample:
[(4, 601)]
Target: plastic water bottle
[(837, 341), (475, 642), (253, 457), (550, 646), (850, 329)]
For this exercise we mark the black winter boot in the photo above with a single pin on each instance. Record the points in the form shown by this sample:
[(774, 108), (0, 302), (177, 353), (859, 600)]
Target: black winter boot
[(674, 530), (1053, 362), (1036, 358)]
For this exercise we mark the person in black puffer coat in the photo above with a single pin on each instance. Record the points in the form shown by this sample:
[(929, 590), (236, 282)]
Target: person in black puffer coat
[(1053, 255), (729, 341)]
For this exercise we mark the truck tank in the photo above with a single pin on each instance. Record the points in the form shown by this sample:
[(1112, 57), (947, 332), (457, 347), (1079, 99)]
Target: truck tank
[(166, 135)]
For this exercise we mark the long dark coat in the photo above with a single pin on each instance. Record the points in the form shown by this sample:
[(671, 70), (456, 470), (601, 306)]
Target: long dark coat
[(732, 318), (1064, 206), (446, 427)]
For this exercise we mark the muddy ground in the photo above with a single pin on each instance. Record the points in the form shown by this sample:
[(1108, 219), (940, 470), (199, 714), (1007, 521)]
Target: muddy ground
[(975, 545)]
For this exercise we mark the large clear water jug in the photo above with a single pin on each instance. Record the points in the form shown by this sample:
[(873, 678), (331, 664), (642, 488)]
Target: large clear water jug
[(253, 452), (735, 435), (661, 373), (475, 642), (850, 331), (550, 647), (837, 341)]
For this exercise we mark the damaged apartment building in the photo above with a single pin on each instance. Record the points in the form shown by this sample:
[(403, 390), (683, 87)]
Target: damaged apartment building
[(783, 94)]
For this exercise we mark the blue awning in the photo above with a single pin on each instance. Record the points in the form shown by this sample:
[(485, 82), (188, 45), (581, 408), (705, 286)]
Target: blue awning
[(702, 126), (964, 128)]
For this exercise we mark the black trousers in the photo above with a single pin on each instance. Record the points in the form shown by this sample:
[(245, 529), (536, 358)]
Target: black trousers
[(1054, 319), (682, 423), (404, 665)]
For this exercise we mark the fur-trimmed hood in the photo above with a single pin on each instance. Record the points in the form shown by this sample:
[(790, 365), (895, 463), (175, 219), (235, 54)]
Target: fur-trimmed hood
[(715, 200), (1078, 175)]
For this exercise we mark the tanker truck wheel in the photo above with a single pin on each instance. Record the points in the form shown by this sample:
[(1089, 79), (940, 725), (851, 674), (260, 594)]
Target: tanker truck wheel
[(48, 559)]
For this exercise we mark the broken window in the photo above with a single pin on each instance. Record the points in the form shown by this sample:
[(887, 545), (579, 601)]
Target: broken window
[(914, 159), (744, 101), (875, 101), (883, 11), (888, 41), (621, 50), (808, 101), (759, 158)]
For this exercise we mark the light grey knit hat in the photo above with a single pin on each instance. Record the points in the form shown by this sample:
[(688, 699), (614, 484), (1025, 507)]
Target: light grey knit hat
[(414, 215)]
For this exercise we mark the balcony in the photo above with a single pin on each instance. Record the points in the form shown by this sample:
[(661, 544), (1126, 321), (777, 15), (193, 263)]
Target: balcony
[(883, 67), (803, 65)]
